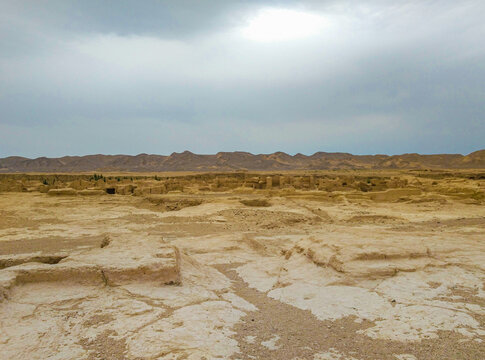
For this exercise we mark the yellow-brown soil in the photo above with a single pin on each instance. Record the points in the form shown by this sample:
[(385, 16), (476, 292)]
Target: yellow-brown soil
[(307, 265)]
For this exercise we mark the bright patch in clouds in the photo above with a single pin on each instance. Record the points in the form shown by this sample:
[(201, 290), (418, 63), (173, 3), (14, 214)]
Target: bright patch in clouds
[(282, 24)]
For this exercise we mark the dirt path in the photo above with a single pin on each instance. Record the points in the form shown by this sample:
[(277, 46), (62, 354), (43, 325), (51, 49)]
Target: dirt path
[(292, 333)]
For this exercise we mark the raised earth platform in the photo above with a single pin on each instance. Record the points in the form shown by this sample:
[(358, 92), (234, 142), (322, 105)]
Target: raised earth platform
[(112, 264)]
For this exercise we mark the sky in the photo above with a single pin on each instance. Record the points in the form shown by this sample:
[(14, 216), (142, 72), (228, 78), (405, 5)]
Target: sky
[(130, 77)]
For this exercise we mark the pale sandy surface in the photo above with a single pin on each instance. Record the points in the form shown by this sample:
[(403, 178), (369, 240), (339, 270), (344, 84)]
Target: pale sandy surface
[(303, 278)]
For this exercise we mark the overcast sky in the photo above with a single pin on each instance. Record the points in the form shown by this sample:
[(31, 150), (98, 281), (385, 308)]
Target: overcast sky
[(129, 77)]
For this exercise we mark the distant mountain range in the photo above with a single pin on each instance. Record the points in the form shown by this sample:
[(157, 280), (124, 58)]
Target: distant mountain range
[(230, 161)]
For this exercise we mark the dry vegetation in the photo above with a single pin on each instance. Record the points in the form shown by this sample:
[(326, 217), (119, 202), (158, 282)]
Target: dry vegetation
[(295, 265)]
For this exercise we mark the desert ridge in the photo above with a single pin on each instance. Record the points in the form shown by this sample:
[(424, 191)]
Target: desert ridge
[(230, 161)]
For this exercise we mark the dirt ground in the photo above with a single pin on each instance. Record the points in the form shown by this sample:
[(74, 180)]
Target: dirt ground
[(325, 272)]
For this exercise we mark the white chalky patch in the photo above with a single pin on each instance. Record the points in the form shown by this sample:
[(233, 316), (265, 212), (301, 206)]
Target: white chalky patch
[(271, 343), (333, 302), (405, 357), (332, 354), (250, 339)]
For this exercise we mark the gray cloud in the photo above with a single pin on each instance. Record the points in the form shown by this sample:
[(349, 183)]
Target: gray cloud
[(129, 77)]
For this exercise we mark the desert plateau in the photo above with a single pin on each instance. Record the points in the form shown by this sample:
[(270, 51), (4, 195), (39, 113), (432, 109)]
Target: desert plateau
[(330, 264), (242, 180)]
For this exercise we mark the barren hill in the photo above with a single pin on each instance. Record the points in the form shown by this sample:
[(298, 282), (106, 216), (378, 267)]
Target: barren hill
[(227, 161)]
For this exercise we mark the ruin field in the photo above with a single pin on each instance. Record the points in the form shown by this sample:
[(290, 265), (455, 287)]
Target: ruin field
[(324, 265)]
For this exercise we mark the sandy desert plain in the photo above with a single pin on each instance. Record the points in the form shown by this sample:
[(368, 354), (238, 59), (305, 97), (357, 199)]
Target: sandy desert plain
[(324, 265)]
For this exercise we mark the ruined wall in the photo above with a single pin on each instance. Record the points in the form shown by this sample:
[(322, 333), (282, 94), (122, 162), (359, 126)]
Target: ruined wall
[(142, 185)]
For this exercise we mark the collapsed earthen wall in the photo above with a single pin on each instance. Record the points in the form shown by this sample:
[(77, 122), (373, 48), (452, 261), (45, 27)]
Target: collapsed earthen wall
[(218, 182)]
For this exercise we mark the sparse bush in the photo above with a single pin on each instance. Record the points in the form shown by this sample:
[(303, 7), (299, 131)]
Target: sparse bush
[(97, 177)]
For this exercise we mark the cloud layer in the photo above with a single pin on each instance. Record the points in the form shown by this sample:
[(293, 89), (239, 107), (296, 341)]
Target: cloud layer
[(156, 77)]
